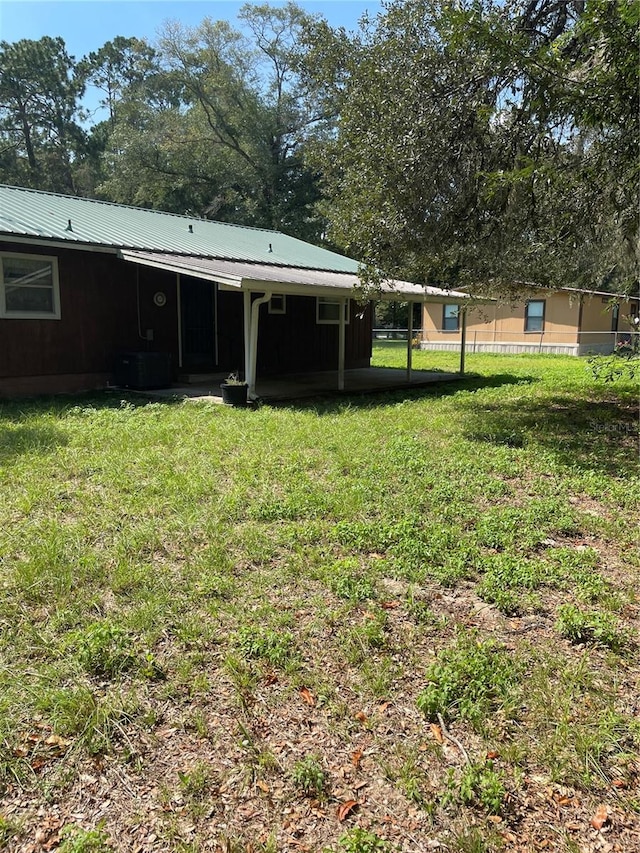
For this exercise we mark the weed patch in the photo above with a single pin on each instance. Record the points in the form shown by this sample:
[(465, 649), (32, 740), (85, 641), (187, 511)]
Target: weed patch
[(593, 626), (469, 680), (308, 775), (267, 644)]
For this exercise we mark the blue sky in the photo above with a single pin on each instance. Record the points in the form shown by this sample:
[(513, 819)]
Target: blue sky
[(85, 25)]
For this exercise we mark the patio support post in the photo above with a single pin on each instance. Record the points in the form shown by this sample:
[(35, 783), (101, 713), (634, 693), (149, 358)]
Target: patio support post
[(250, 373), (409, 341), (247, 330), (463, 336), (341, 343)]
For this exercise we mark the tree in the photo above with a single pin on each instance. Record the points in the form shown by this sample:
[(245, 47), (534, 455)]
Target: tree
[(228, 139), (40, 136), (119, 66), (484, 141)]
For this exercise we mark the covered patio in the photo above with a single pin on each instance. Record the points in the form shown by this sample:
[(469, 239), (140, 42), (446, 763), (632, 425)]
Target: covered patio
[(299, 386), (259, 283)]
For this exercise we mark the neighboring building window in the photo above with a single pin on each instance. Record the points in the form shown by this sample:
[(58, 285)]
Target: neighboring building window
[(328, 311), (278, 304), (450, 318), (615, 317), (534, 316), (29, 287)]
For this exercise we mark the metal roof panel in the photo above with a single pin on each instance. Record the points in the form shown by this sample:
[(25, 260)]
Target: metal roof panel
[(243, 274), (82, 221)]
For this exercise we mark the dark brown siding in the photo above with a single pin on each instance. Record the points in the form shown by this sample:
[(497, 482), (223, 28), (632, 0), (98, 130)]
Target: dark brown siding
[(230, 329), (99, 318), (107, 307), (295, 342)]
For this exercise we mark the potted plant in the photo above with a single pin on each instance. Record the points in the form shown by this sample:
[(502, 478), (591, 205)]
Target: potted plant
[(234, 390)]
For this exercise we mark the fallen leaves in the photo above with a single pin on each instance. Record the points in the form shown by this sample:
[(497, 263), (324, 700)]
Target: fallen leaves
[(344, 809), (307, 696), (436, 731), (601, 817)]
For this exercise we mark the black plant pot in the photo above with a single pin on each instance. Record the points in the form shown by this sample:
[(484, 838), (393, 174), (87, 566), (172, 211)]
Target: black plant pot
[(234, 395)]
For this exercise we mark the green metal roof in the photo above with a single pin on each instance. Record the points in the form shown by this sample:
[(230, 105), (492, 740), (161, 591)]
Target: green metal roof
[(85, 222)]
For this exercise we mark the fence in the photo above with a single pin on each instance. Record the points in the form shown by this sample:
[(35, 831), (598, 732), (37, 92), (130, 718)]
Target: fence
[(395, 334), (489, 340)]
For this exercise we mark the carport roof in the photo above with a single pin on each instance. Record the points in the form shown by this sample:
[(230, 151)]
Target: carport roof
[(294, 280)]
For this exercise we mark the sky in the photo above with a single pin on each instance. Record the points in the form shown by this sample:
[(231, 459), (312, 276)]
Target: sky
[(86, 25)]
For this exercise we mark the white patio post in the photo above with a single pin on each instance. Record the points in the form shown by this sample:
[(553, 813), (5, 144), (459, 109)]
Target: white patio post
[(463, 336), (409, 341), (341, 343)]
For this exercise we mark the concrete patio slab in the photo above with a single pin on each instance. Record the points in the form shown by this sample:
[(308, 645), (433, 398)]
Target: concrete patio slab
[(366, 380)]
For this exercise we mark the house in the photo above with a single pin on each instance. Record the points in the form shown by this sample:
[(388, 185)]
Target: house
[(567, 321), (92, 291)]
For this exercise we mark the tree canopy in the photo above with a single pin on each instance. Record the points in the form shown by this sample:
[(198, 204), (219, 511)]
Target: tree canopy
[(447, 141), (227, 141), (486, 142), (39, 112)]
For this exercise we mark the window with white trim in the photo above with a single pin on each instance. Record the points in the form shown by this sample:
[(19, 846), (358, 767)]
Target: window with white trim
[(534, 315), (29, 287), (278, 304), (328, 311), (450, 318)]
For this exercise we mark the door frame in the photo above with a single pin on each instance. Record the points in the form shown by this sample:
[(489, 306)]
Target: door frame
[(215, 353)]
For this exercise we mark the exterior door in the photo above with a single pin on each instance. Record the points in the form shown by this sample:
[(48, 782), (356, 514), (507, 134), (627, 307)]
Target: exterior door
[(197, 312)]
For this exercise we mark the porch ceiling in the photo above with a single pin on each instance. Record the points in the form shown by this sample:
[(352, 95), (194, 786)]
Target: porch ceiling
[(240, 275)]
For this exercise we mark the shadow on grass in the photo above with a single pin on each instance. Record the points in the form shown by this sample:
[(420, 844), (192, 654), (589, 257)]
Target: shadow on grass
[(19, 434), (19, 410), (20, 439), (333, 402), (589, 434)]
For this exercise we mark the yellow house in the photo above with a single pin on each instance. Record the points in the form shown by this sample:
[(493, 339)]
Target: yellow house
[(566, 321)]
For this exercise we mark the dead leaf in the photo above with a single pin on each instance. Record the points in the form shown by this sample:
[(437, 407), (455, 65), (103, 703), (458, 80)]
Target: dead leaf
[(436, 731), (345, 809), (600, 817), (382, 707), (308, 696), (56, 740), (356, 757)]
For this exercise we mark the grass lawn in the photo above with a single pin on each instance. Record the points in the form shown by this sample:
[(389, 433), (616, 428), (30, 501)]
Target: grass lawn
[(400, 622)]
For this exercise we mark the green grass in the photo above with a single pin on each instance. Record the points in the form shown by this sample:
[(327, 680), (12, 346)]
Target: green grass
[(174, 577)]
